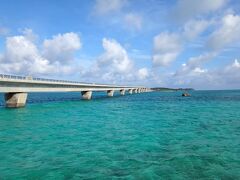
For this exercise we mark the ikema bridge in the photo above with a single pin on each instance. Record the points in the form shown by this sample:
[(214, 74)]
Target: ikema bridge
[(16, 88)]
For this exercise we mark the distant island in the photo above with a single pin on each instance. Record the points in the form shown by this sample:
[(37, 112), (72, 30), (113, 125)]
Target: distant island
[(171, 89)]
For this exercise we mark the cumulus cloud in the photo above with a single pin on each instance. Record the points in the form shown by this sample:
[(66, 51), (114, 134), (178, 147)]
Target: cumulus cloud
[(23, 56), (61, 47), (116, 56), (188, 9), (133, 21), (114, 65), (227, 33), (166, 47), (103, 7), (114, 62)]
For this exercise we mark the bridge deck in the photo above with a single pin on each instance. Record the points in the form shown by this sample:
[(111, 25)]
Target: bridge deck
[(11, 83)]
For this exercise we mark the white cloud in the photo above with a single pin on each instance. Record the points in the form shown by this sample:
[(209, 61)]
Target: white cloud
[(203, 58), (166, 48), (234, 66), (193, 28), (103, 7), (114, 65), (199, 70), (61, 47), (227, 77), (133, 21), (116, 56), (19, 48), (22, 56), (189, 9), (227, 33), (193, 65), (143, 73)]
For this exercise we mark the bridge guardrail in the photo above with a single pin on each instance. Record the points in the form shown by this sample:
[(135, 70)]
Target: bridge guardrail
[(6, 76), (30, 78)]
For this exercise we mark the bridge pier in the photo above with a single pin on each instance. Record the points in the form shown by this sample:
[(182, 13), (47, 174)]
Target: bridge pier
[(86, 95), (15, 100), (130, 91), (110, 93), (122, 92)]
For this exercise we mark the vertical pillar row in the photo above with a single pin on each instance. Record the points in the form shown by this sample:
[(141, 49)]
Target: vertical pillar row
[(15, 100)]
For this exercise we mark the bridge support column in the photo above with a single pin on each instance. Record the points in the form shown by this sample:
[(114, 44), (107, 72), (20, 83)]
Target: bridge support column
[(122, 92), (110, 93), (86, 95), (135, 91), (130, 91), (15, 100)]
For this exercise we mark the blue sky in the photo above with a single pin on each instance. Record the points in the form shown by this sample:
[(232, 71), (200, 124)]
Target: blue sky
[(175, 43)]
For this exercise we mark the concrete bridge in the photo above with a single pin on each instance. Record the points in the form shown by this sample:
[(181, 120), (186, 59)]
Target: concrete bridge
[(16, 88)]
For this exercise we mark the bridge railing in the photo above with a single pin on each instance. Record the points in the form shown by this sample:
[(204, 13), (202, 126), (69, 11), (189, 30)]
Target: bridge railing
[(6, 76), (15, 77), (30, 78)]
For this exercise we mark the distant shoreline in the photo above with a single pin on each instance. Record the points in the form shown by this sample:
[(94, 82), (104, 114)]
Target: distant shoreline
[(163, 89)]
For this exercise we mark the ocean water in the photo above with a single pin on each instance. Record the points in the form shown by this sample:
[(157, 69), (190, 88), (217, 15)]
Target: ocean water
[(155, 135)]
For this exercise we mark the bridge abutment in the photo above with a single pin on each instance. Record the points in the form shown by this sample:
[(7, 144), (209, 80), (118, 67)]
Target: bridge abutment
[(87, 95), (110, 93), (15, 100)]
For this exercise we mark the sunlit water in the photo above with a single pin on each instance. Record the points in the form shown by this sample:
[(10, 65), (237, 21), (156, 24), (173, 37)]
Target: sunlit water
[(140, 136)]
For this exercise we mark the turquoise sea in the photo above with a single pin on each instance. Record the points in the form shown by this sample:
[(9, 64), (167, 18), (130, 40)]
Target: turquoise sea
[(158, 135)]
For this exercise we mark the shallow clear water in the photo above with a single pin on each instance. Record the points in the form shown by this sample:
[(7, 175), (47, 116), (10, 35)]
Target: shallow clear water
[(140, 136)]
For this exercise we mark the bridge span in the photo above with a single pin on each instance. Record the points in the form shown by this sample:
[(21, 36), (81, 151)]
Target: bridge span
[(16, 88)]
